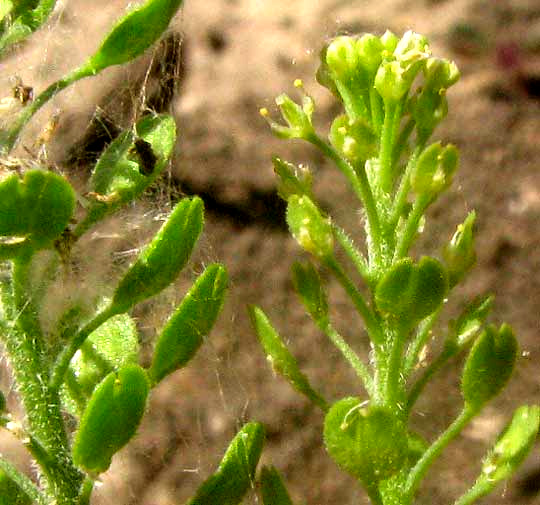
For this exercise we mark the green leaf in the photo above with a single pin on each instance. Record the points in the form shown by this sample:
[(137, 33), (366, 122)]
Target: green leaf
[(131, 163), (111, 418), (191, 322), (134, 33), (489, 366), (113, 345), (308, 285), (310, 229), (510, 450), (236, 472), (27, 16), (281, 359), (369, 443), (410, 291), (38, 208), (273, 489), (161, 261)]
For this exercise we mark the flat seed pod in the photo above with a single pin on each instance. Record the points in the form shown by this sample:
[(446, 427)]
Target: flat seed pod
[(191, 322), (236, 472), (411, 291), (161, 261), (369, 443), (489, 365), (307, 284), (111, 418)]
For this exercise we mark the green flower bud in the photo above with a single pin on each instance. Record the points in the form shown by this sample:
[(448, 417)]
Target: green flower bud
[(389, 42), (111, 418), (428, 109), (342, 58), (308, 285), (356, 140), (434, 169), (310, 229), (297, 117), (411, 292), (292, 180), (489, 366), (412, 48), (236, 472), (459, 255), (440, 74), (391, 82), (369, 443), (470, 321), (370, 49)]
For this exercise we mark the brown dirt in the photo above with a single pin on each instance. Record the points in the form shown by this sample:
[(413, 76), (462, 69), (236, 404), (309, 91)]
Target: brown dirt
[(236, 56)]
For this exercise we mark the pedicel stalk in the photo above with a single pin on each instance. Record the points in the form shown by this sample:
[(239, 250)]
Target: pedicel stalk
[(82, 369), (393, 94)]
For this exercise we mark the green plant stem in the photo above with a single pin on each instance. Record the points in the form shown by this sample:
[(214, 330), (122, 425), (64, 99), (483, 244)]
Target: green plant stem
[(9, 137), (358, 180), (410, 229), (356, 257), (421, 382), (403, 191), (376, 109), (392, 117), (374, 494), (360, 368), (401, 141), (479, 490), (23, 482), (62, 363), (372, 325), (427, 459), (393, 390), (86, 492)]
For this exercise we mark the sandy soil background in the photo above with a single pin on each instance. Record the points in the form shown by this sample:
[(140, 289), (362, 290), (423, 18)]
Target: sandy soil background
[(230, 57)]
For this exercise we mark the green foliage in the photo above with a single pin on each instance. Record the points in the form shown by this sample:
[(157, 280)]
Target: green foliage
[(190, 323), (111, 418), (236, 472), (393, 94), (272, 488), (85, 362)]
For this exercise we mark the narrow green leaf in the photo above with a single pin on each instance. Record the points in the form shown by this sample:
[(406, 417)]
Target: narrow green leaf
[(236, 472), (134, 33), (369, 443), (11, 493), (111, 418), (273, 489), (162, 260), (308, 285), (281, 359), (489, 366), (190, 323), (113, 345), (131, 163)]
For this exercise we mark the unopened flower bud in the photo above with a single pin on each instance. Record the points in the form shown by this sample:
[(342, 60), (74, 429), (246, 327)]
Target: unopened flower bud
[(391, 82), (356, 140), (411, 48), (434, 169), (292, 180), (459, 254), (310, 229), (369, 50), (342, 58), (440, 74)]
